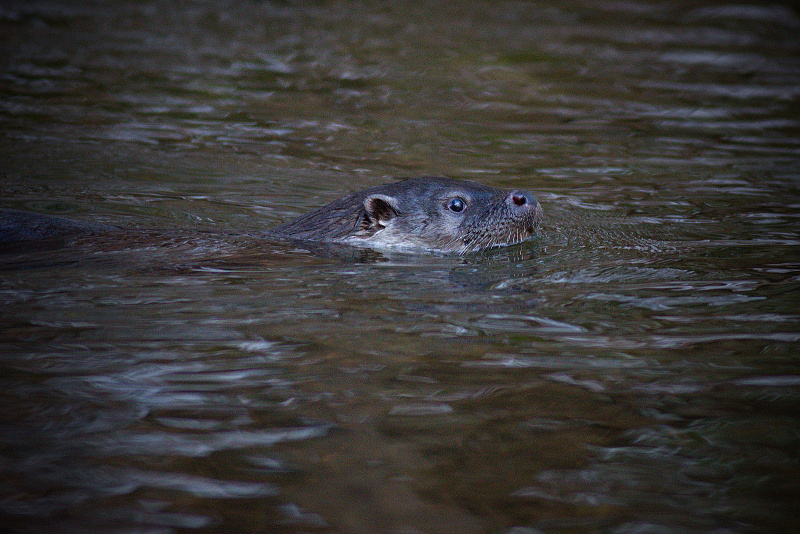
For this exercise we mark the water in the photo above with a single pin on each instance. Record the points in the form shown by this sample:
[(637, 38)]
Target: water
[(633, 369)]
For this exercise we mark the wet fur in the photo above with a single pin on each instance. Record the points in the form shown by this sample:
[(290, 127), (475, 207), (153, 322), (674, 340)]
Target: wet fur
[(413, 214), (410, 214)]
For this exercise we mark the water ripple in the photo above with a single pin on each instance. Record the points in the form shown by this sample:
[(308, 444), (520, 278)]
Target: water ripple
[(198, 486), (175, 444)]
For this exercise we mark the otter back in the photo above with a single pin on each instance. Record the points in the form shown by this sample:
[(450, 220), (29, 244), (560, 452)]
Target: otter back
[(24, 229)]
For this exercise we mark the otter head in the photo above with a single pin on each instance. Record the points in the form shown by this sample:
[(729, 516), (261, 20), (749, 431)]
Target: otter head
[(444, 215)]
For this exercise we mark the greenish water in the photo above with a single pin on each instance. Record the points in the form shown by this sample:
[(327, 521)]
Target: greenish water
[(634, 369)]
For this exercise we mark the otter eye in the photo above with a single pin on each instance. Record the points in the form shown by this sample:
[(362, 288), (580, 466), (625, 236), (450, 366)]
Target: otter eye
[(457, 205)]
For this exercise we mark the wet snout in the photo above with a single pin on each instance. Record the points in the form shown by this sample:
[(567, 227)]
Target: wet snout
[(521, 202), (524, 209)]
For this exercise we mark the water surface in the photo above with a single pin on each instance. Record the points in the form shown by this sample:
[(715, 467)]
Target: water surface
[(632, 369)]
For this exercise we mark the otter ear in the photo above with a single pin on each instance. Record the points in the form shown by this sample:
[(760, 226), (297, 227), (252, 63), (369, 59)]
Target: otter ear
[(380, 209)]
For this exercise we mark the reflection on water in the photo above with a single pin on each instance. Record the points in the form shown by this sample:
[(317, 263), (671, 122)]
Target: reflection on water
[(632, 369)]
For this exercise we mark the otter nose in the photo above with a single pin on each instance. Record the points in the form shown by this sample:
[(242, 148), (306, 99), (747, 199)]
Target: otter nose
[(521, 200)]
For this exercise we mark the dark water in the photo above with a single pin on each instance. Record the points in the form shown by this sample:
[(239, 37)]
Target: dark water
[(635, 369)]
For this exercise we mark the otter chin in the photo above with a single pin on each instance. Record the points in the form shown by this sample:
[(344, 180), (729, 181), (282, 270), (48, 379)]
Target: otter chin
[(428, 213)]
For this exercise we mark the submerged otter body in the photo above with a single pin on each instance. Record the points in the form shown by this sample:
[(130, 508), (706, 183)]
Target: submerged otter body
[(429, 213), (27, 229)]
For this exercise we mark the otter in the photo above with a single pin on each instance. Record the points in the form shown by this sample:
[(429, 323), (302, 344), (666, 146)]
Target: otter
[(427, 213), (419, 214)]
